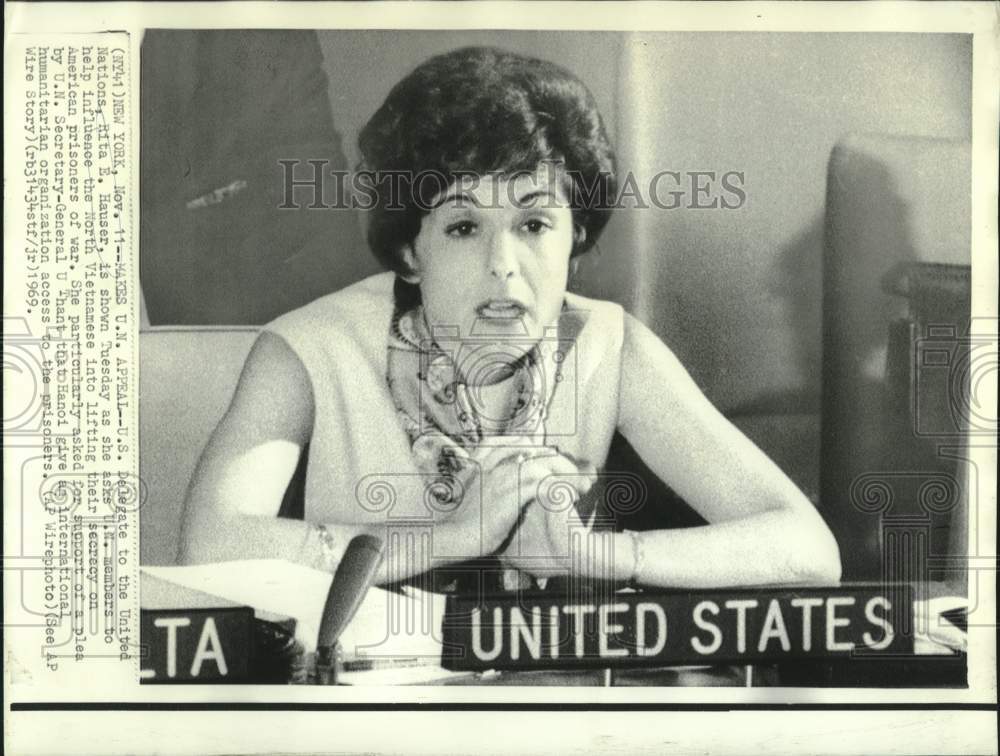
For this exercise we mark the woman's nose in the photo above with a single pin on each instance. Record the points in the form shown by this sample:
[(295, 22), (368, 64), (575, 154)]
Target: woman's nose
[(503, 259)]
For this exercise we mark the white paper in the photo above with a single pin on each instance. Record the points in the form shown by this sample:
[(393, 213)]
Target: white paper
[(386, 625)]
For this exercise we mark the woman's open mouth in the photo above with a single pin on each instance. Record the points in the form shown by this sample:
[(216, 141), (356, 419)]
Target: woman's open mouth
[(501, 308)]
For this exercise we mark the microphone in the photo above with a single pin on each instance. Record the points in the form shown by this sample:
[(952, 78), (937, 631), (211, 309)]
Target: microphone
[(351, 581)]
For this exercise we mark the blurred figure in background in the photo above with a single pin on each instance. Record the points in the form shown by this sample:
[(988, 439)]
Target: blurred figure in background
[(220, 109)]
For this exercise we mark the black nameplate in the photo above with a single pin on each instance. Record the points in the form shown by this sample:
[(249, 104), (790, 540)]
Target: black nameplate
[(196, 645), (540, 630)]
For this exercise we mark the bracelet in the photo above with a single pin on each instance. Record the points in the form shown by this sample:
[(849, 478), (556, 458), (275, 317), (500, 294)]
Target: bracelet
[(637, 554)]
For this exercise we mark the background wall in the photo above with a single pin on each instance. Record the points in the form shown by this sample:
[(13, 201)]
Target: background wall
[(736, 293)]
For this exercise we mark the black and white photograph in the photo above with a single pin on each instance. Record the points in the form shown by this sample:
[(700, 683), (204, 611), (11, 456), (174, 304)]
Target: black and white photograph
[(592, 334)]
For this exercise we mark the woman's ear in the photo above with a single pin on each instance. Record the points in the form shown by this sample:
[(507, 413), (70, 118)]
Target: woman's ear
[(410, 260)]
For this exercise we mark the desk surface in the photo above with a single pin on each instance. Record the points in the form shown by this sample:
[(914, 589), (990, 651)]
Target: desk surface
[(720, 676)]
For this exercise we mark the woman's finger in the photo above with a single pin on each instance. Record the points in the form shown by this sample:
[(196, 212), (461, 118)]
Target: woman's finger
[(555, 474), (552, 494), (492, 457), (506, 442)]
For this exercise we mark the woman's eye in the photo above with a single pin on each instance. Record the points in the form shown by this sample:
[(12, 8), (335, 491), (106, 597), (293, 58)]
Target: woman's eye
[(536, 226), (464, 228)]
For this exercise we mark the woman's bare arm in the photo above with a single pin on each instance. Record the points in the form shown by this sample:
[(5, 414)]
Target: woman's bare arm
[(232, 503), (236, 492), (762, 529)]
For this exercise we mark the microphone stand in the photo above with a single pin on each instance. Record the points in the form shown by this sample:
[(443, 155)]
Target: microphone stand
[(351, 581)]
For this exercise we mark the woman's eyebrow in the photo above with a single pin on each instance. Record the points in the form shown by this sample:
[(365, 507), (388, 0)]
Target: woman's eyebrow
[(535, 194), (456, 194)]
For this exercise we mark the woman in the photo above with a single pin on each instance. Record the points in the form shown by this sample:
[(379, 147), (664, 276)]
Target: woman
[(447, 395)]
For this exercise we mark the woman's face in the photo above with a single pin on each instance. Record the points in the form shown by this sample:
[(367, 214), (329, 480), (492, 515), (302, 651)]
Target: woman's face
[(493, 258)]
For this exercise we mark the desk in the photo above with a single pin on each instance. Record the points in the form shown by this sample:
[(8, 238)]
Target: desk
[(667, 677)]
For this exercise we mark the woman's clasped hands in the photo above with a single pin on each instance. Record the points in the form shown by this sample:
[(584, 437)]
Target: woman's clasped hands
[(519, 503)]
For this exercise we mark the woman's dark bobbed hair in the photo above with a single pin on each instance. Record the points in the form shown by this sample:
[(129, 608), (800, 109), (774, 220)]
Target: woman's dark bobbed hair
[(481, 110)]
